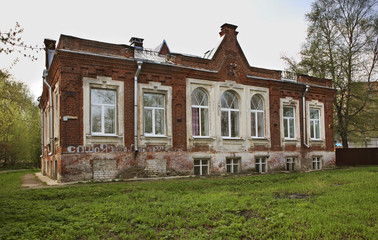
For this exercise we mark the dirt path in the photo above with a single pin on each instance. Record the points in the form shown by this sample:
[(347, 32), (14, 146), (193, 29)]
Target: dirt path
[(31, 181)]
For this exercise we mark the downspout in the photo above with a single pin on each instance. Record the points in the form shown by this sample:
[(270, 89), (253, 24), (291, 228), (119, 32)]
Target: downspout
[(51, 113), (304, 116), (42, 143), (136, 105)]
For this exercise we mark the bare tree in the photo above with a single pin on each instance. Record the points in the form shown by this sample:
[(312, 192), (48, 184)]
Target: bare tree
[(11, 42), (342, 44)]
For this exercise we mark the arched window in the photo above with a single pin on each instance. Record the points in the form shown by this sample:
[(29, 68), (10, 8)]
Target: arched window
[(200, 113), (229, 115), (257, 116)]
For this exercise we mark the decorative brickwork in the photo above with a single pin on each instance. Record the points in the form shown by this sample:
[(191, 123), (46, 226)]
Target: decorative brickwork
[(165, 142)]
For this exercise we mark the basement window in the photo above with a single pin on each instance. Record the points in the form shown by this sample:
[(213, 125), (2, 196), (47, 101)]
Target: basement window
[(233, 165), (201, 167), (260, 164), (316, 163), (290, 163)]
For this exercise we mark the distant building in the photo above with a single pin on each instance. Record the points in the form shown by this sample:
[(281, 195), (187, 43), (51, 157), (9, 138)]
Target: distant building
[(123, 110)]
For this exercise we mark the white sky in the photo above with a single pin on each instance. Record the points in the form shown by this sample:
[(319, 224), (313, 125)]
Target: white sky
[(267, 28)]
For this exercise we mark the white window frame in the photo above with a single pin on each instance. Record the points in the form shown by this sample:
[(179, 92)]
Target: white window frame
[(315, 122), (200, 165), (256, 111), (291, 164), (290, 102), (259, 163), (200, 109), (145, 140), (317, 163), (153, 134), (233, 162), (229, 111), (315, 104), (287, 126), (103, 105), (102, 82)]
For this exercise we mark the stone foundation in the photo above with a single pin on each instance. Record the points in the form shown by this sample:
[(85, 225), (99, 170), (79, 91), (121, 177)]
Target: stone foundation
[(105, 166)]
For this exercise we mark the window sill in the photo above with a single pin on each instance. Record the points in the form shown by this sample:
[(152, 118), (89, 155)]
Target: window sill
[(202, 137), (233, 138), (291, 140), (155, 136), (317, 140), (259, 138), (155, 140), (104, 139), (102, 135)]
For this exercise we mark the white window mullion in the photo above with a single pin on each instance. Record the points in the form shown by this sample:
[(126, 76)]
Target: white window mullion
[(200, 124), (256, 124), (102, 119), (153, 121), (229, 123)]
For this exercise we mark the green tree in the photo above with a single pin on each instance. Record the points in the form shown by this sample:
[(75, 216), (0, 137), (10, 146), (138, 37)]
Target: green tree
[(342, 45), (19, 123)]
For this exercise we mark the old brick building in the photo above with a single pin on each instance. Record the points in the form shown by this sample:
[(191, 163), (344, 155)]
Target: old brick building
[(113, 110)]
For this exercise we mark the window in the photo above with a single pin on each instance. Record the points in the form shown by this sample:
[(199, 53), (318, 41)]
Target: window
[(200, 113), (257, 116), (316, 163), (314, 123), (229, 115), (103, 111), (288, 121), (290, 164), (261, 164), (232, 165), (201, 167), (154, 114)]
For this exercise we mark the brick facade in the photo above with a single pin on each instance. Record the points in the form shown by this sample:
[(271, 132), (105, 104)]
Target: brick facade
[(80, 65)]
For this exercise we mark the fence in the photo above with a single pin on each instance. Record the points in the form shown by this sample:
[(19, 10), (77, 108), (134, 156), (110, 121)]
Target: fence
[(356, 156)]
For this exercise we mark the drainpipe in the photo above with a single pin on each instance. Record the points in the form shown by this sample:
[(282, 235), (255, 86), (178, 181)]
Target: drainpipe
[(136, 105), (304, 116), (40, 107), (51, 113)]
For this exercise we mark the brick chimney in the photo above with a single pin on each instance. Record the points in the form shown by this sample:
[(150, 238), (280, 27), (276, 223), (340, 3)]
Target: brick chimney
[(228, 29), (49, 50), (136, 42)]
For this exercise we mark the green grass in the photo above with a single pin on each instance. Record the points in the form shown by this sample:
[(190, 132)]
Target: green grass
[(334, 204)]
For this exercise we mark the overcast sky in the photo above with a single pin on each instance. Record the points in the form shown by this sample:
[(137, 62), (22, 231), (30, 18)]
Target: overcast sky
[(267, 28)]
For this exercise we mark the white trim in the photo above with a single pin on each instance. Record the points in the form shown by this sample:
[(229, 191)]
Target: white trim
[(229, 110), (261, 161), (290, 102), (314, 104), (201, 107), (155, 139), (103, 106), (202, 165), (106, 83), (153, 112), (317, 160), (287, 129), (233, 164)]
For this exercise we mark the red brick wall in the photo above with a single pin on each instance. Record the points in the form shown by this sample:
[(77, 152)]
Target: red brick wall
[(229, 63)]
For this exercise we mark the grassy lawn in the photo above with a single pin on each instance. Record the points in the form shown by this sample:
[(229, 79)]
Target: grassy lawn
[(333, 204)]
